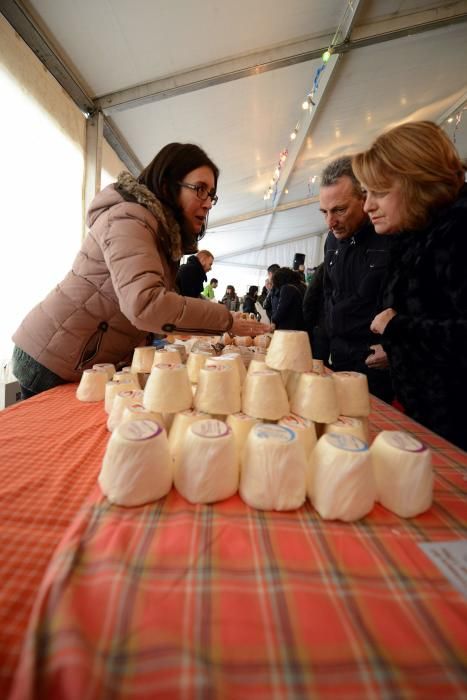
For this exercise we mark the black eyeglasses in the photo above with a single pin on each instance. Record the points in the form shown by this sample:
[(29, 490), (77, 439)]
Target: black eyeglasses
[(202, 192)]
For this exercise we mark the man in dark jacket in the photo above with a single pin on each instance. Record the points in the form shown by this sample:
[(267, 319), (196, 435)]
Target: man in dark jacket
[(192, 275), (355, 260)]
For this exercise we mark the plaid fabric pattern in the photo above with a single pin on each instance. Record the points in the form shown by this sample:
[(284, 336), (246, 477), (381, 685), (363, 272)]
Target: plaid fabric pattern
[(172, 600)]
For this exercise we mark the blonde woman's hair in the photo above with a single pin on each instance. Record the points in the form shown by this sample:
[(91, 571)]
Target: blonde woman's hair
[(421, 158)]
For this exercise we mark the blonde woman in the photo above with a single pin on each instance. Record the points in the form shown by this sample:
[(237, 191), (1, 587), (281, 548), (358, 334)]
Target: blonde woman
[(413, 181)]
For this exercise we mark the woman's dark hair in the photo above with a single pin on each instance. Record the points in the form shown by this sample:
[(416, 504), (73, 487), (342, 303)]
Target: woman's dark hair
[(252, 290), (284, 275), (167, 169)]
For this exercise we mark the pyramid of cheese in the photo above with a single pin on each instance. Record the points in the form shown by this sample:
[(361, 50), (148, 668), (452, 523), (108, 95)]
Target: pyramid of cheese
[(218, 391), (315, 398), (340, 484), (92, 385), (264, 395), (273, 475), (142, 359), (403, 471), (353, 397), (137, 467), (168, 389), (121, 400), (181, 422), (346, 425), (207, 468), (168, 356), (304, 429), (290, 350)]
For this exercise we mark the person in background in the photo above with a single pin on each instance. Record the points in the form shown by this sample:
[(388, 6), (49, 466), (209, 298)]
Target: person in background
[(272, 299), (230, 299), (208, 290), (192, 275), (355, 261), (415, 191), (122, 283), (288, 314), (314, 316), (265, 291), (249, 302)]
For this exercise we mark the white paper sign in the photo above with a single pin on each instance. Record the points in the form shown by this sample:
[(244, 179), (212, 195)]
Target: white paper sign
[(451, 560)]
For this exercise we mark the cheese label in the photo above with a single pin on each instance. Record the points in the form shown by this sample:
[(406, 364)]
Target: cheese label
[(345, 420), (138, 408), (346, 442), (403, 441), (127, 393), (167, 365), (294, 421), (139, 430), (216, 368), (268, 431), (210, 428)]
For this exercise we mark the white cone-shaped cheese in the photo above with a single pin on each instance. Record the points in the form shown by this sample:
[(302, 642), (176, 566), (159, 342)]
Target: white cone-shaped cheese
[(257, 366), (168, 355), (290, 350), (179, 427), (136, 468), (195, 362), (108, 367), (111, 390), (168, 389), (125, 377), (341, 484), (121, 400), (218, 391), (262, 341), (180, 349), (228, 361), (136, 411), (92, 385), (315, 398), (143, 359), (241, 424), (207, 468), (304, 428), (264, 396), (273, 469), (346, 425), (291, 383), (403, 472), (352, 393)]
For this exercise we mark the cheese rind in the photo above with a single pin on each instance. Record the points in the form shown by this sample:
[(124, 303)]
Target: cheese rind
[(142, 359), (341, 484), (122, 399), (241, 424), (273, 474), (108, 367), (346, 425), (136, 468), (403, 471), (207, 469), (304, 429), (218, 391), (181, 422)]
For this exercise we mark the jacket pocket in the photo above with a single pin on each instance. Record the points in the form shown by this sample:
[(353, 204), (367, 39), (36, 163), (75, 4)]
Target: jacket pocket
[(92, 345)]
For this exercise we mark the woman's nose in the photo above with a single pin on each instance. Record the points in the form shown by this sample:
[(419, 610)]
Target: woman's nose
[(369, 204)]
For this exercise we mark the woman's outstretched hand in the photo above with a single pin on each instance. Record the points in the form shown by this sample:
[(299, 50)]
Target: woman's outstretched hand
[(248, 326)]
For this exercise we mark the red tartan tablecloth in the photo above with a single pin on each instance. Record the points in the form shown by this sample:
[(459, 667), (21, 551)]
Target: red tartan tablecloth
[(172, 600)]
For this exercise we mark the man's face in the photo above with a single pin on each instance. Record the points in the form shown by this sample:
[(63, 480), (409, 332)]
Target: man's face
[(206, 262), (342, 208)]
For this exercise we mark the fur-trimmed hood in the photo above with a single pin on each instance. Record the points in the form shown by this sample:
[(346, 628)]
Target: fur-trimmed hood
[(127, 188)]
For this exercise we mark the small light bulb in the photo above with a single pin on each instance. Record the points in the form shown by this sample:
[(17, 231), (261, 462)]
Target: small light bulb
[(277, 172), (293, 135), (286, 191), (305, 104), (451, 119), (326, 56)]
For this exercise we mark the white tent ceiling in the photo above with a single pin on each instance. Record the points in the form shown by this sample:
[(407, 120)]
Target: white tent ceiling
[(232, 77)]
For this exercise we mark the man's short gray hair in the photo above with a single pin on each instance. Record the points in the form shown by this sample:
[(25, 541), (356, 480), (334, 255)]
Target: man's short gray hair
[(341, 167)]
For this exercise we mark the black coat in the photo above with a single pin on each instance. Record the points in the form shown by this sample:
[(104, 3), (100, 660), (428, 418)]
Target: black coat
[(191, 277), (288, 314), (427, 341)]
